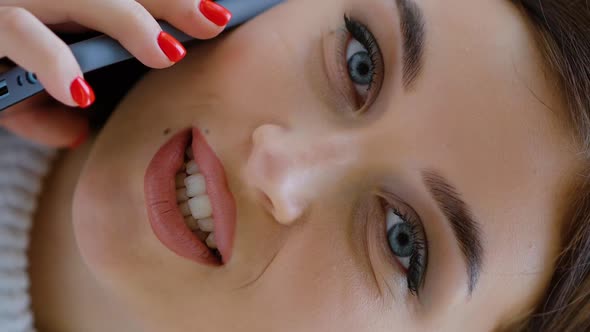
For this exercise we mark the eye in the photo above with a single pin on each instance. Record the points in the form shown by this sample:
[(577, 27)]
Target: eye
[(360, 68), (364, 62), (406, 240)]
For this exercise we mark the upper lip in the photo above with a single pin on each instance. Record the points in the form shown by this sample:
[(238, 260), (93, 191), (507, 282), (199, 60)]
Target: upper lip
[(165, 217)]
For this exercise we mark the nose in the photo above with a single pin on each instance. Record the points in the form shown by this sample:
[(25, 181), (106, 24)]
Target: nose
[(290, 169)]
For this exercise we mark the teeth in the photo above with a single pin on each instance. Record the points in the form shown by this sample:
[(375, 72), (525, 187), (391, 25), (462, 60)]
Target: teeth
[(192, 168), (201, 235), (200, 207), (185, 209), (211, 241), (189, 153), (195, 185), (180, 179), (191, 223), (194, 204), (206, 224), (181, 195)]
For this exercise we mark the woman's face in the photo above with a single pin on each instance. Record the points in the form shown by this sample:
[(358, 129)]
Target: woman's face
[(397, 170)]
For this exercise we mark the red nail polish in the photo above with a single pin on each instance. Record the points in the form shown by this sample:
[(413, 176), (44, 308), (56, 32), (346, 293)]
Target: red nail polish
[(79, 141), (81, 92), (215, 13), (171, 47)]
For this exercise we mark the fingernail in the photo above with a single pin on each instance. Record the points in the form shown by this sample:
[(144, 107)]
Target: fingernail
[(81, 92), (79, 141), (215, 12), (171, 47)]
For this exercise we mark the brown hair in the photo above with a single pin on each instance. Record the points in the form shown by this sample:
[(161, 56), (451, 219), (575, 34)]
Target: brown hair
[(563, 31)]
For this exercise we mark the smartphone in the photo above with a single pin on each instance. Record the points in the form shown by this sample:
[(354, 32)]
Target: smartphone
[(102, 51)]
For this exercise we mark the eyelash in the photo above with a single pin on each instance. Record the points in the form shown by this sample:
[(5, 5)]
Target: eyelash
[(415, 274), (416, 260), (363, 35)]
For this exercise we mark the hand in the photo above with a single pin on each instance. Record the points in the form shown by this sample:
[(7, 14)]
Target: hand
[(27, 37)]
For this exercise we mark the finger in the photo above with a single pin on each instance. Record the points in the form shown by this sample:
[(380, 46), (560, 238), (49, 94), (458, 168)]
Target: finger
[(202, 19), (31, 45), (50, 124), (124, 20)]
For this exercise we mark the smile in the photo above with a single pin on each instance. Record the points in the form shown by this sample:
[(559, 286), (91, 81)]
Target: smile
[(190, 208)]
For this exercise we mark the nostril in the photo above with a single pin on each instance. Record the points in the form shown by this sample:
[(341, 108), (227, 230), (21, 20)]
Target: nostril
[(266, 202)]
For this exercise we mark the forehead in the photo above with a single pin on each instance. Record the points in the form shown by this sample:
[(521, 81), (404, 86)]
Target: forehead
[(485, 114)]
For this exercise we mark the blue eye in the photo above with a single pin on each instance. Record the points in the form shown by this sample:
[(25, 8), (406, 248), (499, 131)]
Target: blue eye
[(364, 61), (406, 242), (401, 240), (360, 67)]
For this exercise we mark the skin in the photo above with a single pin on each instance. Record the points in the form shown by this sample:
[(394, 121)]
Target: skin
[(313, 260)]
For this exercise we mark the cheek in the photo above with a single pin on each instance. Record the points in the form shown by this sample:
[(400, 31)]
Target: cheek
[(108, 211), (255, 70), (321, 292), (95, 238), (99, 219)]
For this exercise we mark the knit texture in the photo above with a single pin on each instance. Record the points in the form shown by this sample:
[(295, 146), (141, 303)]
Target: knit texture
[(22, 167)]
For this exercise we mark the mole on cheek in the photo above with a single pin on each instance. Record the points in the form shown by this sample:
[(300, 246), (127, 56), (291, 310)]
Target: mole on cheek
[(166, 131)]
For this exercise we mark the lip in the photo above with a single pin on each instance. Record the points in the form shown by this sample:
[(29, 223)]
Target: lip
[(164, 215)]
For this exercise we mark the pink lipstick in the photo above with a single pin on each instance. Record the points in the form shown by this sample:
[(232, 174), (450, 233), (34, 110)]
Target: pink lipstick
[(167, 220)]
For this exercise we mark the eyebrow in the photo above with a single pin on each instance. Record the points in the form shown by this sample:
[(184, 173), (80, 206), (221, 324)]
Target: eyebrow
[(465, 228), (413, 34)]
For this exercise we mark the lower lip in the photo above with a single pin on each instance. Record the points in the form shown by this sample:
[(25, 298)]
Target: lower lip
[(166, 220)]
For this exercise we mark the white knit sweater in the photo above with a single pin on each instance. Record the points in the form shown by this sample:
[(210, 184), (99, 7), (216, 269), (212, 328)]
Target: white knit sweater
[(22, 167)]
